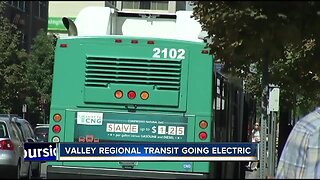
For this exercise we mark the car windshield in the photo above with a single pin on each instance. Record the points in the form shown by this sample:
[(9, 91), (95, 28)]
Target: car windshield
[(3, 130), (42, 133)]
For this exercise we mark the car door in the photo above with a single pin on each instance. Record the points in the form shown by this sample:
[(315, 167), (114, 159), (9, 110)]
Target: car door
[(24, 165)]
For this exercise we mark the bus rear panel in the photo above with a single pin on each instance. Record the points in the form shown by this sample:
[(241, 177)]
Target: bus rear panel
[(126, 89)]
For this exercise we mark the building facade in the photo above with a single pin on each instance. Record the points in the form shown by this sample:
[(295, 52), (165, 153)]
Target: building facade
[(60, 9), (148, 6), (29, 17)]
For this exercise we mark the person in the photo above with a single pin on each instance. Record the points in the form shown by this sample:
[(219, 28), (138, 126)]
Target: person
[(300, 157), (255, 137)]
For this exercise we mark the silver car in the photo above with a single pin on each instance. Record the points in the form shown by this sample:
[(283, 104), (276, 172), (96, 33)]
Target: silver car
[(29, 136), (12, 164)]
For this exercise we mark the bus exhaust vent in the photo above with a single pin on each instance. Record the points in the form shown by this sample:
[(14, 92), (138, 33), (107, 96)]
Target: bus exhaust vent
[(164, 74)]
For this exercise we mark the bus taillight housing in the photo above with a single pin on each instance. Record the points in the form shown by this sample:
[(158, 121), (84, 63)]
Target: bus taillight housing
[(55, 139), (132, 94), (151, 42), (118, 94), (203, 124), (144, 95), (89, 138), (57, 117), (134, 41), (118, 40), (56, 128), (203, 135)]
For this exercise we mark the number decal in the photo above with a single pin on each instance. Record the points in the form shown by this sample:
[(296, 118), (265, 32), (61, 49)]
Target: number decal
[(172, 130), (171, 53), (156, 53), (181, 53), (161, 129), (180, 131)]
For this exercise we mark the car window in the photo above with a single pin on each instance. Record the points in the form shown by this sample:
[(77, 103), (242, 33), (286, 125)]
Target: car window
[(3, 130), (41, 130), (16, 131), (26, 130), (30, 130), (42, 133), (23, 131)]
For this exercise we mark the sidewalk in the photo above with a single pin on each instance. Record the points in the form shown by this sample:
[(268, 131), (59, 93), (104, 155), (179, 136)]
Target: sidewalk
[(253, 174)]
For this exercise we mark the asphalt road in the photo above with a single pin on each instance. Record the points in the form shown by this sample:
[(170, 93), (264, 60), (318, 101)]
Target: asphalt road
[(252, 174), (43, 171), (249, 174)]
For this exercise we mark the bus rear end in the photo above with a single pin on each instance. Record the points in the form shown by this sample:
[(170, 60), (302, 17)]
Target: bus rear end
[(125, 89)]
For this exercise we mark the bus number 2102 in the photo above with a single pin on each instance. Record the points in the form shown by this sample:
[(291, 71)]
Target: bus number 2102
[(169, 53)]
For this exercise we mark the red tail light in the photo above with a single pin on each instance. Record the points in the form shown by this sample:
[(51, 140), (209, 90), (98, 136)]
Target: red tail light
[(134, 41), (6, 145), (63, 45), (118, 40), (203, 135), (205, 51), (56, 128), (132, 94), (151, 42)]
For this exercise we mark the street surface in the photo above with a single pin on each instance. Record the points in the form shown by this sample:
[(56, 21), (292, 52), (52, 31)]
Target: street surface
[(43, 170), (249, 174), (252, 174)]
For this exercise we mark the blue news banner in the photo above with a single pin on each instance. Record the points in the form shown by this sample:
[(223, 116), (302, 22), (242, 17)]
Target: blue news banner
[(141, 152)]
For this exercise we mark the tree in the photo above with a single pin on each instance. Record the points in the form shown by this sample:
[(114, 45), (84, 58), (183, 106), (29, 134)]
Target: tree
[(247, 33), (24, 78), (12, 85), (39, 71), (276, 39)]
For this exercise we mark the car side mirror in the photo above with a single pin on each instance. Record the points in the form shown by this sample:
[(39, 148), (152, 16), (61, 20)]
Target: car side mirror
[(29, 140)]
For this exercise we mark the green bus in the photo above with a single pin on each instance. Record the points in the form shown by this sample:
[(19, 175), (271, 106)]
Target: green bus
[(131, 89)]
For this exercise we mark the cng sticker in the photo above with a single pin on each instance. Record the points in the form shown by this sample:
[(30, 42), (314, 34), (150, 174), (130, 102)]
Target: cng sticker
[(187, 165), (89, 118)]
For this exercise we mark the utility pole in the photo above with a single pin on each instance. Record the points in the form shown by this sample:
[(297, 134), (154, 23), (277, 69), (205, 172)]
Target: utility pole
[(264, 115)]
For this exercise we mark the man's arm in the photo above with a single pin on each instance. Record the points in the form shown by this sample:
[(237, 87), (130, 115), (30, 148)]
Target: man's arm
[(313, 156), (292, 163)]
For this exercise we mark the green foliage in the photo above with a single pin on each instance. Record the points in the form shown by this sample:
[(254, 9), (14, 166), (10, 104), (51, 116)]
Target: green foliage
[(245, 32), (24, 78), (38, 72), (11, 69)]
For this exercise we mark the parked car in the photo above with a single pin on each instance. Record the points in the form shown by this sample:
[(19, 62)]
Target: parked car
[(29, 136), (41, 132), (12, 164)]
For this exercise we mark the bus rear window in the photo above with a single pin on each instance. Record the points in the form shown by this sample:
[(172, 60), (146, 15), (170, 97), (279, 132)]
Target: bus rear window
[(3, 130)]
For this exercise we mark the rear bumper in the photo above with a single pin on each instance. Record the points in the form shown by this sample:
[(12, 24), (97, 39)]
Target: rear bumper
[(8, 158), (67, 172)]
